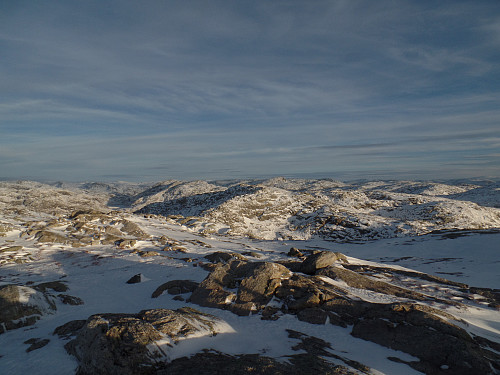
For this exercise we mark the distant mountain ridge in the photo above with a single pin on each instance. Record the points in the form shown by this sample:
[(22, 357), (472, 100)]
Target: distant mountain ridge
[(298, 209), (280, 208)]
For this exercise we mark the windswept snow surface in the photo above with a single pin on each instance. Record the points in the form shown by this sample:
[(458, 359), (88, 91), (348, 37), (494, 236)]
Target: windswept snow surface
[(446, 229)]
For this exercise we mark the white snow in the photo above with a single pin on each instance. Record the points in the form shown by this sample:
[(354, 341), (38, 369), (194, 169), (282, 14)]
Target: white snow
[(394, 215)]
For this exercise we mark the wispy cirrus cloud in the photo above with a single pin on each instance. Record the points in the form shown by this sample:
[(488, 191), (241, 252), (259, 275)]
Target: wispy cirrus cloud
[(218, 86)]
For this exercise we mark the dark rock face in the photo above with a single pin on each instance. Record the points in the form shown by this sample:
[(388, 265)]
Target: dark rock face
[(223, 364), (36, 343), (69, 329), (135, 279), (433, 348), (70, 300), (126, 344)]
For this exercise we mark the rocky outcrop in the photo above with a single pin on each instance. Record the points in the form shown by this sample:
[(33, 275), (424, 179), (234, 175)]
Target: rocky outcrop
[(312, 361), (22, 306), (126, 344), (300, 209), (256, 283), (87, 227), (320, 291)]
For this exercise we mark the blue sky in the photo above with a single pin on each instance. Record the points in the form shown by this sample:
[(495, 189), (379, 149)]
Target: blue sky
[(153, 90)]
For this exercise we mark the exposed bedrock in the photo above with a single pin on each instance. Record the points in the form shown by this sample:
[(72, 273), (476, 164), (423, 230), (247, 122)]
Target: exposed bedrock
[(126, 344), (330, 293)]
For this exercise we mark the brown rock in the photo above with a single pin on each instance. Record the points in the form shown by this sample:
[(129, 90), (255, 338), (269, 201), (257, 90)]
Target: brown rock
[(320, 260), (124, 344), (175, 287)]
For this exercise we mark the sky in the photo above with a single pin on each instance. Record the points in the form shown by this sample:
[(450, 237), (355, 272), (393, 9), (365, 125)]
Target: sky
[(155, 90)]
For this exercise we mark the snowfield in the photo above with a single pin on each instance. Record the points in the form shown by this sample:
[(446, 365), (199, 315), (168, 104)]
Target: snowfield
[(281, 275)]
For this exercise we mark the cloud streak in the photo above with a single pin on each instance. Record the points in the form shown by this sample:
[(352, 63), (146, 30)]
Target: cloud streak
[(205, 84)]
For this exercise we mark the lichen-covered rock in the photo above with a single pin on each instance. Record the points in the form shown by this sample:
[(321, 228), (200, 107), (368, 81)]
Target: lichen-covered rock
[(126, 344), (212, 292), (255, 284), (261, 283), (320, 260)]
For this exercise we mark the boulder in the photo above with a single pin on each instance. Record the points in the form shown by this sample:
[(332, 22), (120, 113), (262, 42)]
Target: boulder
[(127, 344), (87, 215), (212, 291), (57, 286), (70, 300), (148, 253), (294, 252), (175, 287), (111, 239), (22, 306), (46, 236), (126, 243), (135, 279), (313, 315), (132, 229), (320, 260), (260, 284), (220, 256), (300, 292), (36, 343), (359, 281), (253, 285)]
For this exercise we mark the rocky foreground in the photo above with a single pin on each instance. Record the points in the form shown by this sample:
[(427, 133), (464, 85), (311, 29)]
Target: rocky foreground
[(127, 285)]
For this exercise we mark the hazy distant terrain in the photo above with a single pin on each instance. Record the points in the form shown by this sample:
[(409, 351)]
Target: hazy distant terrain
[(262, 274)]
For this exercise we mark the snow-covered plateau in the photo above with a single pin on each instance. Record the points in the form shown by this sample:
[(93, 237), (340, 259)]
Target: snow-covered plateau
[(279, 276)]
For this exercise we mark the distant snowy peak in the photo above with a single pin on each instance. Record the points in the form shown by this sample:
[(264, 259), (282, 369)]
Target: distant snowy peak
[(171, 190), (299, 209)]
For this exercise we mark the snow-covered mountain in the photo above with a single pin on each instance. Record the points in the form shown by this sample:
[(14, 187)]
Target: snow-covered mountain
[(300, 209), (275, 276)]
